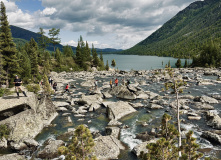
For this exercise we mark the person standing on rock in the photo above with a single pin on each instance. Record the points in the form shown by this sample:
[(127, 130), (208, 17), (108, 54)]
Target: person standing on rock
[(55, 86), (116, 82), (18, 83), (67, 89), (111, 83), (95, 84)]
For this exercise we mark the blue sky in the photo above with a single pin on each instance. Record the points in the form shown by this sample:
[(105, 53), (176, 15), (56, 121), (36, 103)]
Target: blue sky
[(116, 24)]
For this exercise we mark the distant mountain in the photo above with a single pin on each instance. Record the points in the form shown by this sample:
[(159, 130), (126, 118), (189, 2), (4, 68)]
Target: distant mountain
[(184, 34), (21, 36)]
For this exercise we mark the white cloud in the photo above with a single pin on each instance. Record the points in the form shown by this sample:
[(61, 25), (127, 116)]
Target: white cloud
[(107, 23), (48, 11)]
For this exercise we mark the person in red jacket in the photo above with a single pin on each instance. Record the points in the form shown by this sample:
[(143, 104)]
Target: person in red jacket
[(67, 89), (116, 82)]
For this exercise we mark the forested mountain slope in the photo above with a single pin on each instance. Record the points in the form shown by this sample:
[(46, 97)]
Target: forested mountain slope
[(184, 34)]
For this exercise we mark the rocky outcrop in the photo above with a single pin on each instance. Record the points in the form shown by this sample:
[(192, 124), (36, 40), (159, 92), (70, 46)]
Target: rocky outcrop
[(119, 109), (202, 106), (14, 156), (213, 120), (28, 115), (210, 100), (107, 147), (142, 147), (51, 149), (212, 137)]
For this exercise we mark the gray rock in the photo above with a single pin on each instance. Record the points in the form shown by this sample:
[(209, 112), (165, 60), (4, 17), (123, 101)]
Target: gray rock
[(113, 122), (126, 95), (153, 95), (94, 107), (142, 147), (107, 95), (3, 143), (61, 104), (18, 146), (213, 120), (136, 105), (51, 150), (113, 131), (90, 99), (14, 156), (132, 88), (202, 106), (155, 106), (38, 113), (119, 109), (31, 143), (212, 137), (210, 100), (107, 147)]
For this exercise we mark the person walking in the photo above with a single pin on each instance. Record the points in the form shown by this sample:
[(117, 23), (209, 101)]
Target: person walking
[(18, 82), (116, 82), (55, 86), (111, 83), (67, 89), (95, 84)]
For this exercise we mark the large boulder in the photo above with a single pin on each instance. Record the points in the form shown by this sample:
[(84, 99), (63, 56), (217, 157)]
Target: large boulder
[(212, 137), (113, 131), (14, 156), (142, 147), (213, 120), (202, 106), (35, 113), (51, 149), (3, 143), (210, 100), (89, 99), (107, 147), (119, 109)]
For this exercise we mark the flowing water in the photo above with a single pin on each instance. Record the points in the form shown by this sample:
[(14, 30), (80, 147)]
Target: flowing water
[(127, 136)]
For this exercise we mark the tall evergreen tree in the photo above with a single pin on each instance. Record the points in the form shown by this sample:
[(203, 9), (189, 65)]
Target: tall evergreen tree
[(88, 52), (26, 66), (95, 57), (32, 51), (8, 47), (2, 71), (43, 43), (178, 63), (81, 146), (107, 66), (53, 33), (58, 57), (113, 63)]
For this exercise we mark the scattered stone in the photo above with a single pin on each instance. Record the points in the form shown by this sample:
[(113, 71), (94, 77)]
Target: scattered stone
[(113, 131), (3, 143), (213, 120), (107, 147), (107, 95), (202, 106), (155, 106), (14, 156), (142, 147), (210, 100), (119, 109), (114, 122), (212, 137), (50, 151)]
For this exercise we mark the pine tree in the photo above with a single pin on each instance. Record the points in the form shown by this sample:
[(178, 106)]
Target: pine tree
[(32, 51), (81, 145), (58, 57), (26, 67), (185, 65), (107, 66), (95, 56), (101, 65), (88, 52), (47, 88), (189, 148), (113, 63), (53, 33), (176, 86), (8, 48), (178, 63)]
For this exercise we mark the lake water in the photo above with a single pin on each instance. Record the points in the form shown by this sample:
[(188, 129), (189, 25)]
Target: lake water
[(136, 62)]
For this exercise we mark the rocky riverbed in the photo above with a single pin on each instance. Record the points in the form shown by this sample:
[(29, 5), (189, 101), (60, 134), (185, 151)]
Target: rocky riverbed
[(125, 118)]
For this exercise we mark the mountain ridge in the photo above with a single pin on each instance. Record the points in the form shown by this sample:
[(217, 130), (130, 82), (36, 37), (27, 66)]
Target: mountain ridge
[(184, 33)]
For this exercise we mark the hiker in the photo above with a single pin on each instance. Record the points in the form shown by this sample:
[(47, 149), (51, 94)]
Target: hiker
[(111, 83), (67, 88), (116, 82), (95, 84), (51, 82), (128, 82), (18, 83), (55, 86)]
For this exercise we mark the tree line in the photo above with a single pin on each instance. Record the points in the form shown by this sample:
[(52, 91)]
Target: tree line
[(32, 60)]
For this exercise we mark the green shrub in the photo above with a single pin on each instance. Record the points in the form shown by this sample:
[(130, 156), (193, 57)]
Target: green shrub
[(33, 88), (4, 131), (4, 91)]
